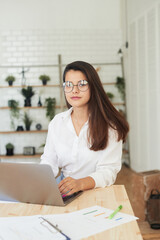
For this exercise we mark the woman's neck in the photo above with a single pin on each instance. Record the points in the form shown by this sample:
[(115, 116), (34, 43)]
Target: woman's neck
[(80, 115)]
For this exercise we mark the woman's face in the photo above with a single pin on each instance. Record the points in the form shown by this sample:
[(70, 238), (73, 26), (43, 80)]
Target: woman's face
[(77, 98)]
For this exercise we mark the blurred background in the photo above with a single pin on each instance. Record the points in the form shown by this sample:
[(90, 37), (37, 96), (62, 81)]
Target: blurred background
[(120, 38)]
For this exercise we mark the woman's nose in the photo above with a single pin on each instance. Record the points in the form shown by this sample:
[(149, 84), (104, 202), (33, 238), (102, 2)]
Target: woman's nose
[(75, 88)]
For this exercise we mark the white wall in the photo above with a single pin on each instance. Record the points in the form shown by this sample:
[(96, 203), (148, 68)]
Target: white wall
[(35, 32), (65, 14), (138, 7), (143, 95)]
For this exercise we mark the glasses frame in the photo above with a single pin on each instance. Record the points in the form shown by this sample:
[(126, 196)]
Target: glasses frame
[(86, 82)]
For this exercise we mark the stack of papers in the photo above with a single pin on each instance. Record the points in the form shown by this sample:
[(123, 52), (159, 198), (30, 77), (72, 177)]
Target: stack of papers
[(76, 225)]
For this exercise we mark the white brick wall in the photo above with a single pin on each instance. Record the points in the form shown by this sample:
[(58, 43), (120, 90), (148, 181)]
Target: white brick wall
[(41, 47)]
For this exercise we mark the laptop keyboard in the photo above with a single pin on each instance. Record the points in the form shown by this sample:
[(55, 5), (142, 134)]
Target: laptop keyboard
[(70, 196)]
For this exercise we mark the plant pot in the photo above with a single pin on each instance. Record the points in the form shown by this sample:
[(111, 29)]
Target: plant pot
[(20, 128), (10, 83), (27, 102), (28, 128), (44, 82), (9, 151)]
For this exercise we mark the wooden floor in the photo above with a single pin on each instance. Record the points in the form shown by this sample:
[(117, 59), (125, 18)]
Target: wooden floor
[(125, 178)]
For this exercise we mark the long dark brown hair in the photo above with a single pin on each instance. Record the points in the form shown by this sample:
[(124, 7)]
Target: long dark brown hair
[(103, 115)]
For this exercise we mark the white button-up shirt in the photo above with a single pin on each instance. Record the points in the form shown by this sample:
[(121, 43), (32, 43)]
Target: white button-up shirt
[(65, 150)]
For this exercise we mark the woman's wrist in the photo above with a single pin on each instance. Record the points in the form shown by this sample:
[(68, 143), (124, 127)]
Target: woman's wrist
[(86, 183)]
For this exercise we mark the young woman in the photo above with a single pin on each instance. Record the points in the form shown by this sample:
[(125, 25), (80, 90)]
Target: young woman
[(85, 141)]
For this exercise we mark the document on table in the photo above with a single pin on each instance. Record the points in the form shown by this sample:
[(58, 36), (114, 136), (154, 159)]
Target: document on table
[(88, 221), (27, 228), (76, 225)]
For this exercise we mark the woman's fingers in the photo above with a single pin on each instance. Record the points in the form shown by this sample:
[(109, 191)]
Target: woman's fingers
[(68, 186), (63, 181), (65, 186)]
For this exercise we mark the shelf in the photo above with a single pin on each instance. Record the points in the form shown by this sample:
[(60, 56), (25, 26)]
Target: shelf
[(34, 86), (19, 132), (109, 83), (53, 85), (29, 66), (55, 65), (23, 107), (34, 107), (118, 104), (57, 107), (20, 156)]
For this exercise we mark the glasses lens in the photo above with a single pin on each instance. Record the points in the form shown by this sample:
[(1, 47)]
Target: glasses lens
[(83, 85), (67, 86)]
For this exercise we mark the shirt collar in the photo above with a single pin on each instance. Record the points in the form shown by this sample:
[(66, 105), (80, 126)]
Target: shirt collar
[(67, 113)]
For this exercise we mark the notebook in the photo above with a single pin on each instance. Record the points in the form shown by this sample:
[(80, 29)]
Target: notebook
[(31, 183)]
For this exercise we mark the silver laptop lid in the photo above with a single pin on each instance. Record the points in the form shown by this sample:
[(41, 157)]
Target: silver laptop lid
[(29, 183)]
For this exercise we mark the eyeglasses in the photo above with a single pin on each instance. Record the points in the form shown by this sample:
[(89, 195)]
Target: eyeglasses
[(82, 86)]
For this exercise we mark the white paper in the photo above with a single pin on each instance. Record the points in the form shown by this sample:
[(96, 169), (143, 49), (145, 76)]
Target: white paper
[(27, 228), (76, 225), (89, 221)]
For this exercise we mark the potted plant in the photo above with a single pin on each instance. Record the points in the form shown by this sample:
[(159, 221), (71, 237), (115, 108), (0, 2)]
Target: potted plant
[(110, 95), (13, 104), (27, 93), (27, 121), (14, 111), (9, 149), (44, 78), (10, 79), (50, 104), (120, 84)]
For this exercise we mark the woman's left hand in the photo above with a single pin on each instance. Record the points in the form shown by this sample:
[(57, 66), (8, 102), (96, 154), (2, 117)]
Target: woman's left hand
[(69, 186)]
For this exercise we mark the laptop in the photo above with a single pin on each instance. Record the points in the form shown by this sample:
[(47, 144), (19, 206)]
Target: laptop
[(31, 183)]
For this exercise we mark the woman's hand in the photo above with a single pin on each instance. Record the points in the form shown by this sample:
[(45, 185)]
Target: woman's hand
[(70, 185)]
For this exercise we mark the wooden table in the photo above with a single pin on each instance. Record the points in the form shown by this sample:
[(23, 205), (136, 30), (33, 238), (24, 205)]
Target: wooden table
[(109, 197)]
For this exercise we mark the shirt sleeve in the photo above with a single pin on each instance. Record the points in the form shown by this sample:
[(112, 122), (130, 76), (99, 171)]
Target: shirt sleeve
[(109, 164), (49, 156)]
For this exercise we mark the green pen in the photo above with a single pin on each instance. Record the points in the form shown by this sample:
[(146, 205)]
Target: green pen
[(115, 212)]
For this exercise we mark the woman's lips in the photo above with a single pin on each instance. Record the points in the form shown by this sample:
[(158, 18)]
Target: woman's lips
[(75, 98)]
